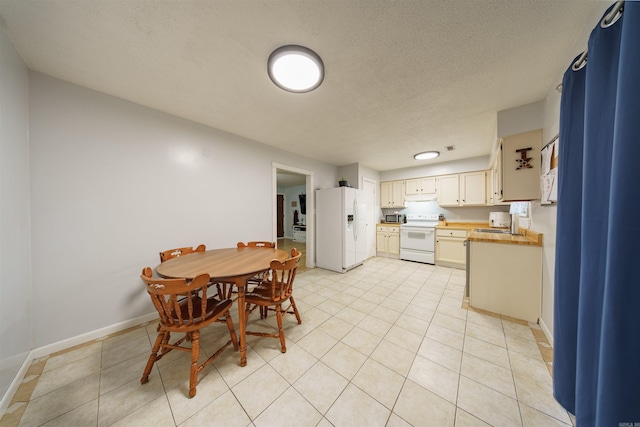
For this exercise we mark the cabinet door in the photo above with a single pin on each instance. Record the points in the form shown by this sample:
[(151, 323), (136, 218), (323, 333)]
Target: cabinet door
[(381, 242), (489, 187), (412, 187), (385, 194), (497, 177), (449, 190), (494, 189), (397, 194), (428, 185), (451, 249), (394, 243), (473, 189)]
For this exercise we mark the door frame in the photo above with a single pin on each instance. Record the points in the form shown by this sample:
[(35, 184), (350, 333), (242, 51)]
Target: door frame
[(311, 208), (375, 207)]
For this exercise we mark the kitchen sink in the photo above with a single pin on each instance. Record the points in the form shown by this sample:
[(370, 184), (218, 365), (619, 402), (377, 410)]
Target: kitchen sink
[(492, 230)]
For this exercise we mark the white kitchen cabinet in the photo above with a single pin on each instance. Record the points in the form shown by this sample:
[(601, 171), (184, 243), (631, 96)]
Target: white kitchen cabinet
[(449, 190), (420, 186), (514, 181), (489, 188), (473, 189), (388, 241), (450, 249), (506, 279), (392, 194), (493, 187), (466, 189)]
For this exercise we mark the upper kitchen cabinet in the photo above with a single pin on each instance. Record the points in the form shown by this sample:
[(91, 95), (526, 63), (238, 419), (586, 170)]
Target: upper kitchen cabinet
[(518, 174), (473, 189), (449, 190), (420, 186), (392, 194), (492, 184), (465, 189)]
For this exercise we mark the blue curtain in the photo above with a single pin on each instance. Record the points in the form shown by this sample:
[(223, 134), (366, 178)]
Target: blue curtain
[(597, 270)]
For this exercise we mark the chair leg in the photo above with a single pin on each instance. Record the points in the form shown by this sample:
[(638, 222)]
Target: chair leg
[(232, 331), (280, 329), (247, 312), (195, 351), (221, 290), (152, 357), (295, 310)]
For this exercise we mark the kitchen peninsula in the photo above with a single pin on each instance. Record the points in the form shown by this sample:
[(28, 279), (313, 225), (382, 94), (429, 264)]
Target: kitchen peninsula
[(505, 273)]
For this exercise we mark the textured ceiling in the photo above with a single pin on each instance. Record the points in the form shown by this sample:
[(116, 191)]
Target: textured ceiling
[(401, 76)]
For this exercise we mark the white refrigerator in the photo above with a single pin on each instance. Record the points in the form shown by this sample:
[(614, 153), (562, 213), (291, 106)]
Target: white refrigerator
[(341, 242)]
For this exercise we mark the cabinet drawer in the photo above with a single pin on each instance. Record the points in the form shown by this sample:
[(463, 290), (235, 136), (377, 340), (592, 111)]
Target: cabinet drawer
[(387, 229), (451, 233)]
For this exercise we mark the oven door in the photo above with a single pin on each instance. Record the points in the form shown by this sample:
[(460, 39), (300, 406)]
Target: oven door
[(419, 239)]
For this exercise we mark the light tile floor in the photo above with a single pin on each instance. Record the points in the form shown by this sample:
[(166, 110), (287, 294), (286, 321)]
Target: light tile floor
[(389, 343)]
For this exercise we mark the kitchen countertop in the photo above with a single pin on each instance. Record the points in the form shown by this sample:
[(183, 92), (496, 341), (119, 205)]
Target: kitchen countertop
[(529, 237), (389, 224), (444, 225)]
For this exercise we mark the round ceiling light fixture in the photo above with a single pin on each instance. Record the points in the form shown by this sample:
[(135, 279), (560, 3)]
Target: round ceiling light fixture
[(295, 68), (426, 155)]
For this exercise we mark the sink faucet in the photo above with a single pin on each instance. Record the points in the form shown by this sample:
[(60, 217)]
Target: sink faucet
[(514, 224)]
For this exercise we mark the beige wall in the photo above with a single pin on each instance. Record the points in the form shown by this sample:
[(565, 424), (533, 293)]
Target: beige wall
[(15, 232)]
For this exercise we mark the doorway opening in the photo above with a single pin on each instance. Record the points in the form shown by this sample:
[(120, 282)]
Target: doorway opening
[(293, 211)]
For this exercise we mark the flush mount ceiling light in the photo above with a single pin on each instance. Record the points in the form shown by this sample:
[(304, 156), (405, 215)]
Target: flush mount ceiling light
[(427, 155), (295, 68)]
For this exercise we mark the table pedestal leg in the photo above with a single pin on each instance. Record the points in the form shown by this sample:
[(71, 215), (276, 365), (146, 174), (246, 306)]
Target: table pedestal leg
[(241, 284)]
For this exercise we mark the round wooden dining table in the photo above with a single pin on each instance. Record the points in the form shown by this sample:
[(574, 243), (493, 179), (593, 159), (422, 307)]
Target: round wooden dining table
[(235, 265)]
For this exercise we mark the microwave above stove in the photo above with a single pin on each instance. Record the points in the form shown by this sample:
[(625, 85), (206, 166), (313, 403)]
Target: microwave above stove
[(395, 219)]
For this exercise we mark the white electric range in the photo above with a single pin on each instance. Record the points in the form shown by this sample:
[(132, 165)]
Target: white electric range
[(418, 238)]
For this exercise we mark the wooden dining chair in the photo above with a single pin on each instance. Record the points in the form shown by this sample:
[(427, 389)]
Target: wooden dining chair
[(185, 308), (173, 253), (257, 244), (273, 293), (226, 289), (258, 278)]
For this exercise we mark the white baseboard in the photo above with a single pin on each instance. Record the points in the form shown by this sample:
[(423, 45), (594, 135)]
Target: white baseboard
[(63, 345), (15, 384), (90, 336), (547, 332)]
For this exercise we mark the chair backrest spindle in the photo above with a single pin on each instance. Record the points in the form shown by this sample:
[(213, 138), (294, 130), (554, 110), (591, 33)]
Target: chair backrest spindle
[(181, 305), (174, 253), (283, 275), (257, 244)]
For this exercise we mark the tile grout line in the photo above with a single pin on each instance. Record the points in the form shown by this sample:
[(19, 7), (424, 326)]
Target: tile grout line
[(539, 340)]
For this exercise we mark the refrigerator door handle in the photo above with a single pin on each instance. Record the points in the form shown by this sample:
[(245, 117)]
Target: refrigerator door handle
[(357, 221)]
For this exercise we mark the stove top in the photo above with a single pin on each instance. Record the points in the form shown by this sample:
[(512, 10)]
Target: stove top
[(421, 220)]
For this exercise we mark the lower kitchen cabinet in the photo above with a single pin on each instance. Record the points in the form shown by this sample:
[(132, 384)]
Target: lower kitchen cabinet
[(506, 279), (450, 249), (388, 241)]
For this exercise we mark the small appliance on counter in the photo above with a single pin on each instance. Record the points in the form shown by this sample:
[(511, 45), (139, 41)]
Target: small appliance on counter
[(499, 219), (395, 219)]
